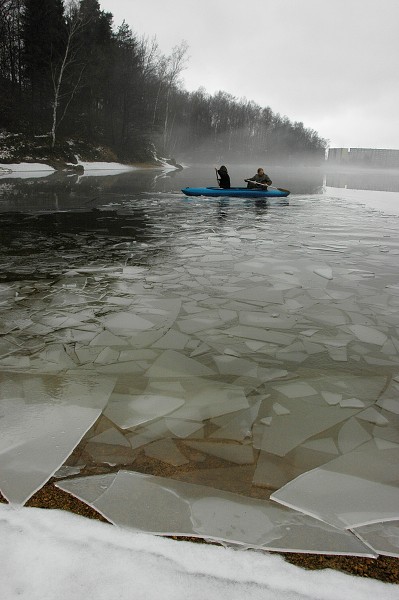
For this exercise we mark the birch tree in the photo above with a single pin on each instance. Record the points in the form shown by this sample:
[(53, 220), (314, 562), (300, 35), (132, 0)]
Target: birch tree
[(75, 24)]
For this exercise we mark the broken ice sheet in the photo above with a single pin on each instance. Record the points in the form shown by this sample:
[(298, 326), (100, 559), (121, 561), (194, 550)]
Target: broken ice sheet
[(235, 453), (358, 488), (166, 451), (238, 426), (166, 507), (370, 335), (206, 399), (383, 538), (110, 454), (67, 471), (130, 410), (35, 441), (172, 364), (351, 435), (298, 389), (43, 418), (287, 431), (272, 472)]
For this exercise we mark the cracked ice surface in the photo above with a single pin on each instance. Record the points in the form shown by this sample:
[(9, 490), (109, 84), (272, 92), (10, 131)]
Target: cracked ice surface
[(243, 349), (166, 507)]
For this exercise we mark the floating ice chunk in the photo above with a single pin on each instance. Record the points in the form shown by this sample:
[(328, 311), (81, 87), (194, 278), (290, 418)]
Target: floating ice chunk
[(369, 335), (15, 362), (107, 356), (389, 348), (132, 410), (106, 338), (385, 432), (86, 354), (305, 421), (137, 355), (326, 445), (118, 300), (352, 403), (372, 416), (172, 364), (236, 453), (165, 507), (325, 272), (200, 323), (352, 490), (279, 409), (383, 538), (151, 432), (261, 319), (299, 389), (372, 360), (255, 333), (166, 451), (312, 347), (207, 399), (261, 293), (266, 420), (67, 471), (253, 345), (351, 435), (238, 427), (272, 472), (324, 314), (389, 404), (384, 444), (110, 454), (230, 365), (309, 332), (110, 436), (124, 323), (35, 441), (173, 340), (182, 428), (232, 352), (200, 349)]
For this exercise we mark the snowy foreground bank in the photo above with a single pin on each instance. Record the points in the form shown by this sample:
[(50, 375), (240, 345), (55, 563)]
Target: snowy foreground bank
[(47, 554)]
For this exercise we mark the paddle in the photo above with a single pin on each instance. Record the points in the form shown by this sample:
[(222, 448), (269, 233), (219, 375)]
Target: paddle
[(267, 186)]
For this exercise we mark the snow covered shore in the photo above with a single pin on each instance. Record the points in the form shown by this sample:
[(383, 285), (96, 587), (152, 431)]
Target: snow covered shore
[(48, 554)]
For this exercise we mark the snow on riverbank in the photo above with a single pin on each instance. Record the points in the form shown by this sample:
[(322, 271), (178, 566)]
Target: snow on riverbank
[(49, 554), (25, 167)]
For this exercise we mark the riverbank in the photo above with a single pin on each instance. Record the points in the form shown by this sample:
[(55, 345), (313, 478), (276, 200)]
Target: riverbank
[(70, 155)]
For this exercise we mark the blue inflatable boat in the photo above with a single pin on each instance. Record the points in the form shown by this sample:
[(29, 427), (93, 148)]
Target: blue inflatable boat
[(236, 192)]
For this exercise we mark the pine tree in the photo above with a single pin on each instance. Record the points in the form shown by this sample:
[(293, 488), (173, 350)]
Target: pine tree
[(44, 36)]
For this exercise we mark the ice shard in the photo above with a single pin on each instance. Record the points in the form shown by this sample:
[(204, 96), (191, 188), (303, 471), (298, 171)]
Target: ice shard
[(166, 507)]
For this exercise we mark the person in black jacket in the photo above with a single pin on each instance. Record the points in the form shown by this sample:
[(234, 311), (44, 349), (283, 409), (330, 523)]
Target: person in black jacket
[(261, 178), (224, 177)]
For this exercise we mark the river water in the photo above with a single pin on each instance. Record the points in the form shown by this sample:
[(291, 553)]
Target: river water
[(222, 368)]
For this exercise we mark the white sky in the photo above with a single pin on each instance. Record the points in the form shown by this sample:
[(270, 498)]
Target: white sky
[(48, 554), (331, 64)]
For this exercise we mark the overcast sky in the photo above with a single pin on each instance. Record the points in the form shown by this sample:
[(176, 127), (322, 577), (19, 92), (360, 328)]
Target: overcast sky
[(331, 64)]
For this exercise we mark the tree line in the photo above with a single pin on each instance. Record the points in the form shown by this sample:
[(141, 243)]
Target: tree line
[(65, 72)]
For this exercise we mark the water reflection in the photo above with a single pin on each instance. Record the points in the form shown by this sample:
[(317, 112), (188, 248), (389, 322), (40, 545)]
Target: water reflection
[(379, 180)]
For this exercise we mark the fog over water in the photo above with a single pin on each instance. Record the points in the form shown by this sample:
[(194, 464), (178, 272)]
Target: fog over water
[(226, 359)]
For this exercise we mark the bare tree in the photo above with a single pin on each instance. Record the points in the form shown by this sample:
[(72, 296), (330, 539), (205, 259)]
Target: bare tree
[(75, 24), (174, 65)]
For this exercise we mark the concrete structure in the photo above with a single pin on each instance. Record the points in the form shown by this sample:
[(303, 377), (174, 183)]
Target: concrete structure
[(364, 157)]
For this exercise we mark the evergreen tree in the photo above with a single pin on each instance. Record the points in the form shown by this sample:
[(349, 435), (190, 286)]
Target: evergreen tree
[(44, 37)]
